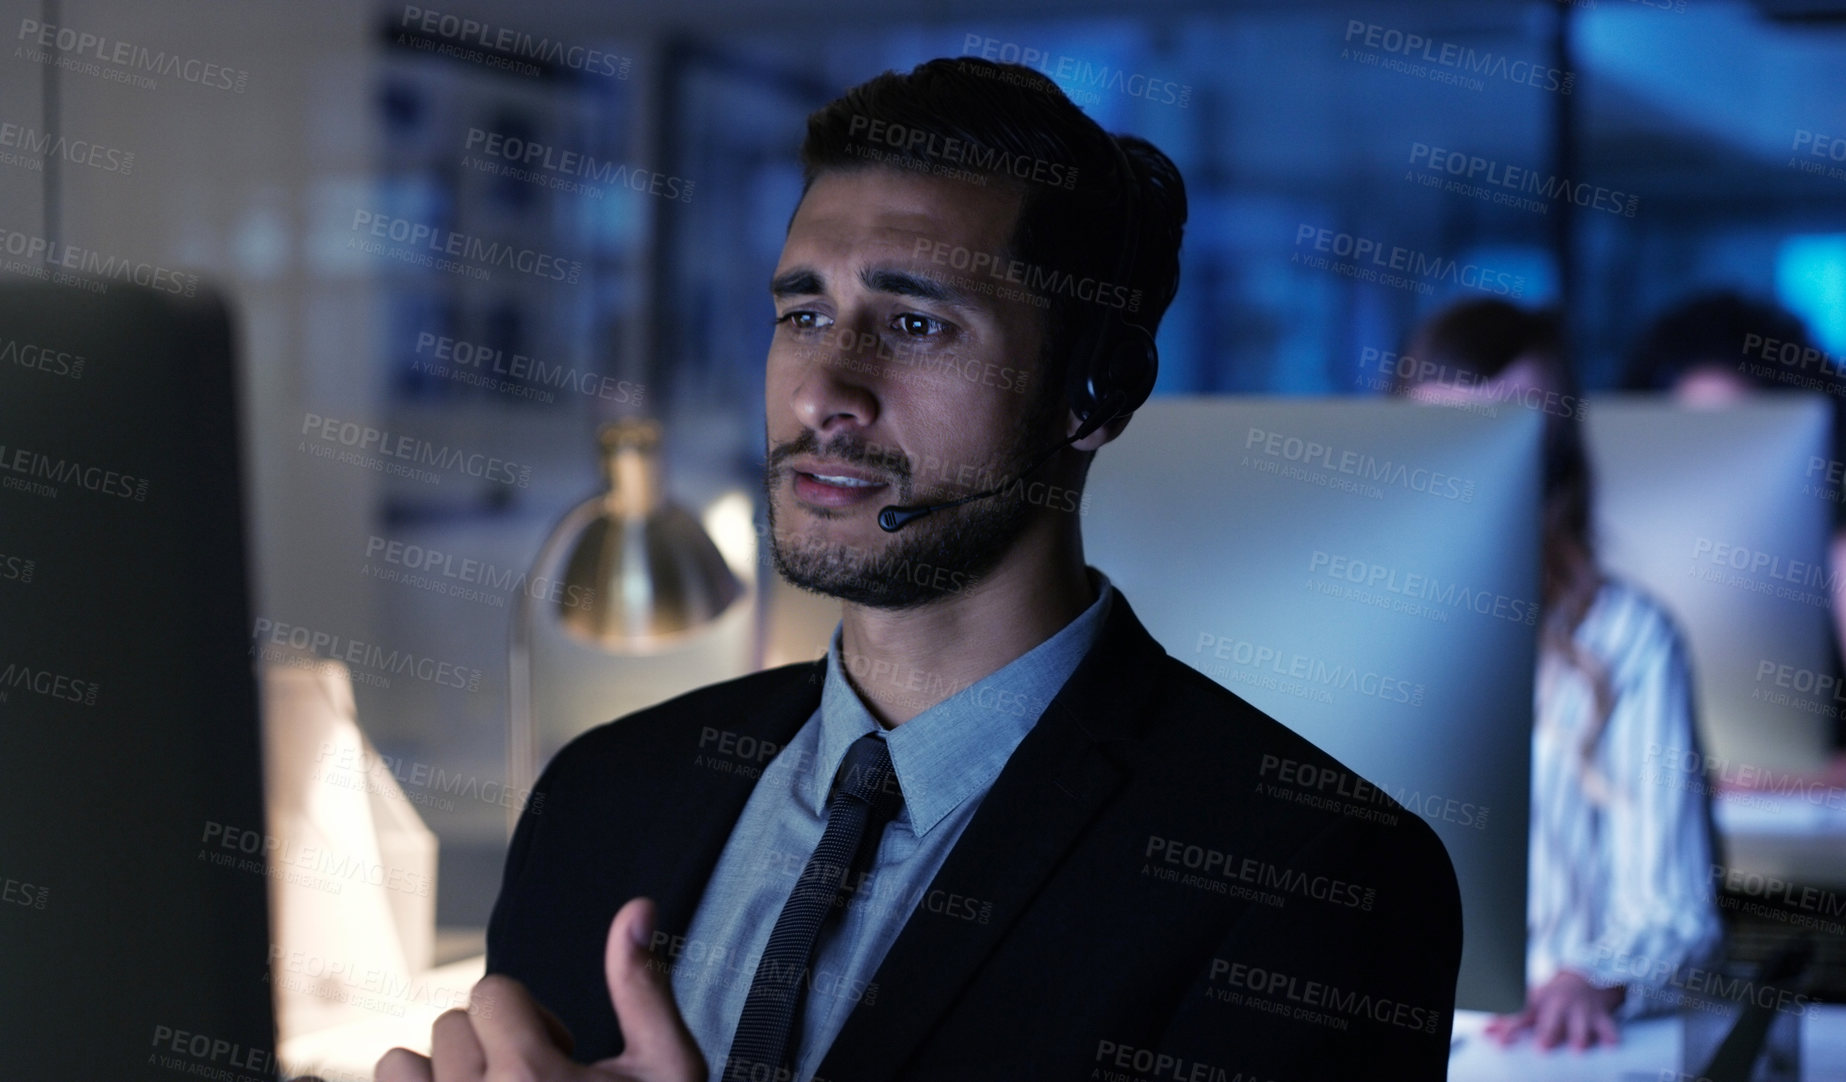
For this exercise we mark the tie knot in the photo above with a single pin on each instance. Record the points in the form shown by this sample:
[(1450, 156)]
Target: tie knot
[(866, 774)]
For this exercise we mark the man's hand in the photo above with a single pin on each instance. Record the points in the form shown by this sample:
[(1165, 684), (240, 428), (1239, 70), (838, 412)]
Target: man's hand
[(504, 1033), (1566, 1006)]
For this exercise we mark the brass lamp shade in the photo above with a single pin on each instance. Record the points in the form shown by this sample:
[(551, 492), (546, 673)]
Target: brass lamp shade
[(639, 571), (639, 582)]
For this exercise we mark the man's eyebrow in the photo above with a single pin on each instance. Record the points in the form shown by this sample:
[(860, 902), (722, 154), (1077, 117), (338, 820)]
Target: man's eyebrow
[(906, 284), (800, 282), (806, 282)]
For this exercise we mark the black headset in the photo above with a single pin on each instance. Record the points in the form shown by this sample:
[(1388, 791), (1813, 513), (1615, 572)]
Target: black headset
[(1118, 375), (1115, 379)]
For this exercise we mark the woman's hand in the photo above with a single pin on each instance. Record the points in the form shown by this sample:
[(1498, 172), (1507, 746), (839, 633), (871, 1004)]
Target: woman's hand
[(1566, 1007)]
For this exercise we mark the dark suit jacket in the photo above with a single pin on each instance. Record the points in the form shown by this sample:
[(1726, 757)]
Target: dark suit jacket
[(1095, 919)]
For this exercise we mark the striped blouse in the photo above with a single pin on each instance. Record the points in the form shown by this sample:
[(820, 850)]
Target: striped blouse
[(1621, 859)]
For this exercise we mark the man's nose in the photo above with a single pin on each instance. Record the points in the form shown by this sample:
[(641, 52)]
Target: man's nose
[(839, 386)]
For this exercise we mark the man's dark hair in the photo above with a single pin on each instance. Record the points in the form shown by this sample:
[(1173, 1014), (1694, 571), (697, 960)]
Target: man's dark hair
[(1013, 126), (1708, 329)]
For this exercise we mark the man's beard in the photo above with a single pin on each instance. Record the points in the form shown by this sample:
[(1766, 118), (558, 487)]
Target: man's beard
[(928, 558)]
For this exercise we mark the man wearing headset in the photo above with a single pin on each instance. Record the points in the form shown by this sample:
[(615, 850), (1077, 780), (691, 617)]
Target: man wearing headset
[(997, 833)]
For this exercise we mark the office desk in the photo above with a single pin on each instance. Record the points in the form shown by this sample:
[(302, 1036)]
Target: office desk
[(1799, 837), (1650, 1052), (348, 1053)]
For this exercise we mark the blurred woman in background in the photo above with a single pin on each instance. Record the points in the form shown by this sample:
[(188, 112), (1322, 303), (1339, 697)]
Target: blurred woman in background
[(1706, 351), (1620, 891)]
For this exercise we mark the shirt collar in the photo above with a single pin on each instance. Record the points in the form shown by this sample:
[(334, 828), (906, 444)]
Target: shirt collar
[(955, 749)]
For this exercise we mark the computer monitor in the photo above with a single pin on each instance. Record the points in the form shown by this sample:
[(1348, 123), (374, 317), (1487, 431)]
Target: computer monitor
[(1365, 572), (133, 889), (1718, 512)]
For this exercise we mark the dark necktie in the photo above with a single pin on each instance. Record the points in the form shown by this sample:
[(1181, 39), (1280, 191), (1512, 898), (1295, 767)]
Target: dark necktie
[(865, 797)]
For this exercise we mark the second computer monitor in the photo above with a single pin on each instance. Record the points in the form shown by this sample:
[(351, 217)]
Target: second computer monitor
[(1724, 516), (1365, 572)]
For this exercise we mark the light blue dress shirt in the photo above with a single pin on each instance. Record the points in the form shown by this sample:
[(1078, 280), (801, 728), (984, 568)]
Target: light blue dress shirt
[(946, 758)]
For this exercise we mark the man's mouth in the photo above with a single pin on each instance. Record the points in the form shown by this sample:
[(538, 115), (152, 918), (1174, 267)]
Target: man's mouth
[(827, 489), (842, 481)]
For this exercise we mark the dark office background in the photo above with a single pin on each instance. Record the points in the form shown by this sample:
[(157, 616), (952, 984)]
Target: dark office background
[(1702, 120)]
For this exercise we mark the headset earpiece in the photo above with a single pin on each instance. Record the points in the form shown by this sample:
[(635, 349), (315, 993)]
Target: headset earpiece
[(1118, 375)]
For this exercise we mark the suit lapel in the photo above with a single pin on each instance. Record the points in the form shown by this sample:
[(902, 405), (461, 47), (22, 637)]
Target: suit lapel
[(1060, 776), (688, 856)]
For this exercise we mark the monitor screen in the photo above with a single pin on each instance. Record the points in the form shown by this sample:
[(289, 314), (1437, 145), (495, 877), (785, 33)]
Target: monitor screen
[(132, 816), (1365, 572), (1716, 513)]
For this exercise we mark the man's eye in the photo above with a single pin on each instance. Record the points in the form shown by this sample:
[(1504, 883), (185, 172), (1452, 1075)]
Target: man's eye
[(801, 320), (920, 326)]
